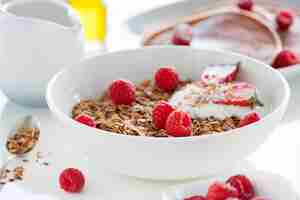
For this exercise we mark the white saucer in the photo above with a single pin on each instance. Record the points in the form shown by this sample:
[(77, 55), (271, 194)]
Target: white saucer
[(269, 185)]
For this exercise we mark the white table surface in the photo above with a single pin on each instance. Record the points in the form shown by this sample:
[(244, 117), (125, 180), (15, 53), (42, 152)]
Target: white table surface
[(277, 155)]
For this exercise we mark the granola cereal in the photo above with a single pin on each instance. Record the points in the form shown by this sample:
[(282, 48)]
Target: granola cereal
[(137, 119), (12, 175), (23, 140)]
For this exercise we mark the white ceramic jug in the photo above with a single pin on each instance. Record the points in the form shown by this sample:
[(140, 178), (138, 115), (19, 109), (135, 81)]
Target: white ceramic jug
[(37, 38)]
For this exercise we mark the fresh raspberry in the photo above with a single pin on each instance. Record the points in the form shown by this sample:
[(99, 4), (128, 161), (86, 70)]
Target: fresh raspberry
[(122, 92), (285, 58), (166, 79), (243, 185), (221, 191), (249, 119), (160, 113), (246, 5), (197, 197), (72, 180), (87, 120), (179, 124), (183, 35), (284, 20)]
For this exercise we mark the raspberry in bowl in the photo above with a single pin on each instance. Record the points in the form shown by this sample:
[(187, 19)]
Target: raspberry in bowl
[(179, 147)]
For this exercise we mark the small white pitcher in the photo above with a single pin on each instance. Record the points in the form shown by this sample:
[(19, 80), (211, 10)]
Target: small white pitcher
[(37, 38)]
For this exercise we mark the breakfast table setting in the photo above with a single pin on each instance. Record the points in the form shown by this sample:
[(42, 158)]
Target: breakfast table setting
[(51, 69)]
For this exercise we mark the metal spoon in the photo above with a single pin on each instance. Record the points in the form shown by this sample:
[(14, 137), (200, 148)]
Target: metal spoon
[(25, 122)]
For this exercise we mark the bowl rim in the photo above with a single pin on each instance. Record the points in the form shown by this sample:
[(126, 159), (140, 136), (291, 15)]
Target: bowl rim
[(68, 120)]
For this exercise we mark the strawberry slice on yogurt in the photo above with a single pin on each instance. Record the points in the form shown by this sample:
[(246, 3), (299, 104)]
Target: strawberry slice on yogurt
[(220, 73), (219, 100), (239, 94)]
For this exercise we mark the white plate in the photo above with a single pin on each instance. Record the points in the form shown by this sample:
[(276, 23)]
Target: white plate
[(170, 13), (268, 185)]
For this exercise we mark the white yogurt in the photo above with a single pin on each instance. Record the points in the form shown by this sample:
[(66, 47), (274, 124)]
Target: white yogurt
[(197, 100)]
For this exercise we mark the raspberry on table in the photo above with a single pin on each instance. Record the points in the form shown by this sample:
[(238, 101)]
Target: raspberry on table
[(179, 124), (284, 20), (122, 92), (166, 79), (221, 191), (72, 180), (285, 58), (243, 185), (86, 120), (160, 113), (246, 5)]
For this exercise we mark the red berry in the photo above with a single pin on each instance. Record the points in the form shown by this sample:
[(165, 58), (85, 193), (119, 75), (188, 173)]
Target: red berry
[(72, 180), (197, 197), (243, 185), (87, 120), (284, 20), (249, 119), (166, 79), (183, 35), (122, 92), (221, 191), (179, 124), (245, 5), (285, 58), (160, 113)]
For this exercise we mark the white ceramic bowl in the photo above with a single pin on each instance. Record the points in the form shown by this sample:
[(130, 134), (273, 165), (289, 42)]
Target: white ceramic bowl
[(292, 75), (163, 158)]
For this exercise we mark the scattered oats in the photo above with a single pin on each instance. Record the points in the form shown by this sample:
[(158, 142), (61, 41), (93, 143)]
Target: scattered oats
[(19, 172)]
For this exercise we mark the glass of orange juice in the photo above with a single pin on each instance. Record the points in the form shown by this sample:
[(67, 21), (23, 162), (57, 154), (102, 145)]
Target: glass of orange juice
[(92, 15)]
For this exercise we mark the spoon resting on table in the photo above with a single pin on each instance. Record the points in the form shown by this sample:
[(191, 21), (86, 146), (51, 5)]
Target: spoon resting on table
[(21, 140)]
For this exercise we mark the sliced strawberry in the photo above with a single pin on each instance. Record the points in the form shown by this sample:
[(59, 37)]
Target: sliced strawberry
[(249, 119), (239, 94), (235, 102), (183, 35), (220, 73)]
